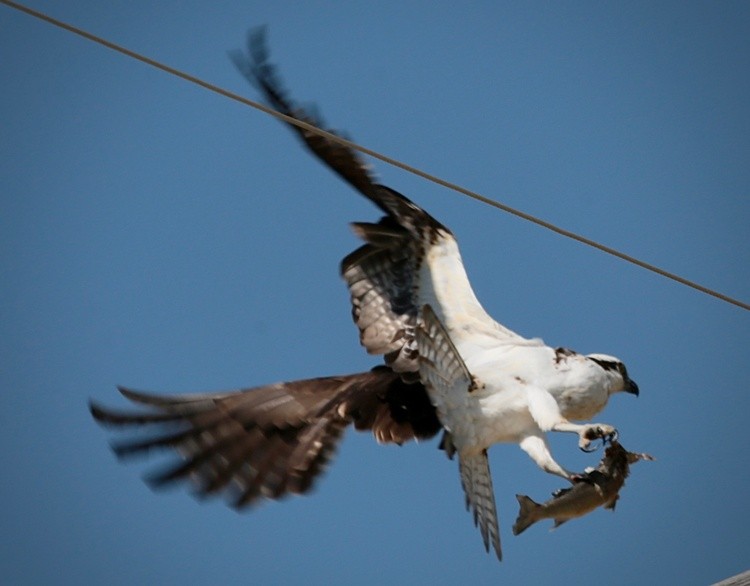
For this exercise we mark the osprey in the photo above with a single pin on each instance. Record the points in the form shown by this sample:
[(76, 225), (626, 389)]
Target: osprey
[(448, 366)]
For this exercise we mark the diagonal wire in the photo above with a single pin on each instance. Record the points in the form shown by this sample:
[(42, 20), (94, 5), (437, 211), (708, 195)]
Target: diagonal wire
[(374, 154)]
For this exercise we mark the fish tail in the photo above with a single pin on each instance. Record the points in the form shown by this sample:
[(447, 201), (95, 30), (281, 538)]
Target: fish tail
[(527, 515)]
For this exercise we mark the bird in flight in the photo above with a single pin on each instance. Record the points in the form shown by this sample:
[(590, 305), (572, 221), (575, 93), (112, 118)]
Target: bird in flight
[(449, 366)]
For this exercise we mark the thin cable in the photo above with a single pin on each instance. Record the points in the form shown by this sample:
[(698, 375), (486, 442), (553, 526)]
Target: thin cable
[(376, 155)]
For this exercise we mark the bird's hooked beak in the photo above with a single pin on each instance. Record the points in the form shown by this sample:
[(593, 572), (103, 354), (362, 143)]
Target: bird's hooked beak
[(631, 387)]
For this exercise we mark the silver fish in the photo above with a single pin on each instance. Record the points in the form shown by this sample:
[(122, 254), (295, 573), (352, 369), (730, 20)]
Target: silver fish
[(598, 487)]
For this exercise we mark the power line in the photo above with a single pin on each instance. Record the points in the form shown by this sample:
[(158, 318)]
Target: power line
[(374, 154)]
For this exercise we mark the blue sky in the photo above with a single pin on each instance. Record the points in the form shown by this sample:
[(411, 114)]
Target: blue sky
[(159, 236)]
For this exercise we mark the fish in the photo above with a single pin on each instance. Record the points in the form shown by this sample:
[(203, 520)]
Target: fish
[(598, 487)]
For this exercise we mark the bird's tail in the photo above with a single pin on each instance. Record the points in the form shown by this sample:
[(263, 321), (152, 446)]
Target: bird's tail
[(480, 498), (527, 515)]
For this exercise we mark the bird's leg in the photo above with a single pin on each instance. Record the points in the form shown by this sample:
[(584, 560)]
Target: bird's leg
[(546, 413), (587, 432), (536, 446)]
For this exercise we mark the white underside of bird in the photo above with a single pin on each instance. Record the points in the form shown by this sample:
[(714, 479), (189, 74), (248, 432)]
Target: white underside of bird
[(491, 385), (522, 390)]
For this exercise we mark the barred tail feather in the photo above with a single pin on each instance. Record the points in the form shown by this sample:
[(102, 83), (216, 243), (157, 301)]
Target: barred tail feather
[(480, 498)]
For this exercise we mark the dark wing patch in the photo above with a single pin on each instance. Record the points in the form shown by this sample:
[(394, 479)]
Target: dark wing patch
[(273, 440), (398, 412), (562, 353)]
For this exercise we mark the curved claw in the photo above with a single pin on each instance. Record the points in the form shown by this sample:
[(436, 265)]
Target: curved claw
[(596, 432)]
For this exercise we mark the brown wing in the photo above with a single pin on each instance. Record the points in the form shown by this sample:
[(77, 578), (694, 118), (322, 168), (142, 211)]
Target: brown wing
[(273, 440), (381, 275), (344, 161)]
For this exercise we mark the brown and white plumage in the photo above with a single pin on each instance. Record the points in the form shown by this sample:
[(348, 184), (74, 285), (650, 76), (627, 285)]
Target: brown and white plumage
[(448, 365), (272, 440)]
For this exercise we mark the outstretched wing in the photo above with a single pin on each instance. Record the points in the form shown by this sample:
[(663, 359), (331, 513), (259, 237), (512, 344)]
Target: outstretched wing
[(254, 65), (384, 274), (273, 440), (449, 384)]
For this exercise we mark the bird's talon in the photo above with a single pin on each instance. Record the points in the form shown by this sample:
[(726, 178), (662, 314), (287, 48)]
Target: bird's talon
[(593, 432), (606, 433)]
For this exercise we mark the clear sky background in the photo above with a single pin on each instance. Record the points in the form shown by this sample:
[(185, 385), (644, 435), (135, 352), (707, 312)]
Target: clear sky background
[(157, 235)]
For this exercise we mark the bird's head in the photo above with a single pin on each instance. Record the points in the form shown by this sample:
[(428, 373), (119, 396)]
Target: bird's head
[(617, 371)]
